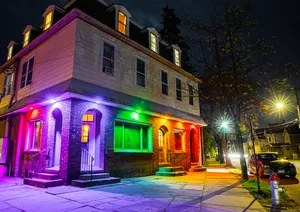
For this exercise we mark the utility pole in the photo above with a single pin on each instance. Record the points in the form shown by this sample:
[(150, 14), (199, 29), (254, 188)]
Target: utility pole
[(256, 167)]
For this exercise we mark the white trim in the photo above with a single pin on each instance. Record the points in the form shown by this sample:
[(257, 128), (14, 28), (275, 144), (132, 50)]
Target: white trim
[(146, 63), (104, 40)]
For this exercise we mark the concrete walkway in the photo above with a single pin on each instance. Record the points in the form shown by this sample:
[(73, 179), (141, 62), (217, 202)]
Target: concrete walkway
[(194, 192)]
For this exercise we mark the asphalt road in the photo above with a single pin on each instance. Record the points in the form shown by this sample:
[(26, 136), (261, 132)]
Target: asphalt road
[(292, 186)]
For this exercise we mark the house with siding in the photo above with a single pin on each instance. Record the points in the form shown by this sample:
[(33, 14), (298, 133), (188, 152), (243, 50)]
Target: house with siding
[(91, 91)]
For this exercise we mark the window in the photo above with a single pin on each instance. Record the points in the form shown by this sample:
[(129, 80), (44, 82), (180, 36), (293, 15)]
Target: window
[(10, 51), (153, 42), (164, 83), (48, 20), (132, 137), (178, 89), (140, 73), (191, 95), (26, 38), (160, 138), (178, 142), (88, 117), (85, 133), (108, 59), (8, 84), (34, 136), (176, 57), (27, 69), (122, 23)]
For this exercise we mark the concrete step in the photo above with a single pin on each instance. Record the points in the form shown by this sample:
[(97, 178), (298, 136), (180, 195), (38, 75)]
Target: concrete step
[(194, 163), (197, 169), (170, 169), (95, 176), (170, 174), (46, 176), (41, 183), (51, 171), (96, 182), (164, 164)]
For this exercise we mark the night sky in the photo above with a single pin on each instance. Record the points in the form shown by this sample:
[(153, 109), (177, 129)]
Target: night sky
[(279, 19)]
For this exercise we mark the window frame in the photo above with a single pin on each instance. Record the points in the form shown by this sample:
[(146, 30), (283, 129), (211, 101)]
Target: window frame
[(10, 52), (161, 82), (141, 150), (136, 71), (50, 22), (105, 41), (29, 137), (8, 85), (27, 72), (178, 78), (26, 39), (191, 94)]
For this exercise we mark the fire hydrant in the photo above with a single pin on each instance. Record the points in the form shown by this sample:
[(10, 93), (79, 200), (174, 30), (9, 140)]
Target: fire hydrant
[(275, 189)]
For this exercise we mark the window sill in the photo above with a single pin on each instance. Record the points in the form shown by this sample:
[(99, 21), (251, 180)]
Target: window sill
[(132, 151), (179, 152)]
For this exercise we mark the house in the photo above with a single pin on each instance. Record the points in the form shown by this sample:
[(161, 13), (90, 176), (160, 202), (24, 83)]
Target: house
[(93, 91), (282, 138)]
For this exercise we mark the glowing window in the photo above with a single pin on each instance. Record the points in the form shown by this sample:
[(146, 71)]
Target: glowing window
[(122, 23), (48, 20), (34, 136), (160, 138), (176, 57), (88, 117), (26, 38), (153, 42), (10, 51), (132, 137), (85, 133)]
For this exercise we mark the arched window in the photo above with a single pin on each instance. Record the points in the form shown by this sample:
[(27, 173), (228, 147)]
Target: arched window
[(160, 138)]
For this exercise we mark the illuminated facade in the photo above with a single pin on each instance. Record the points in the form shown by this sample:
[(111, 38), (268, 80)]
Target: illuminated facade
[(92, 88)]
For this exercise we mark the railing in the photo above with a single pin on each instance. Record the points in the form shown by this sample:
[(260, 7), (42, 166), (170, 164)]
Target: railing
[(37, 163), (178, 158), (87, 162)]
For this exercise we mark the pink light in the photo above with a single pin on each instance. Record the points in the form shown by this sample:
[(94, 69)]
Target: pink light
[(31, 108)]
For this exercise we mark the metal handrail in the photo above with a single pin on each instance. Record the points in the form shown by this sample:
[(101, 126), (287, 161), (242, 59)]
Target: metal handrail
[(89, 158), (32, 159)]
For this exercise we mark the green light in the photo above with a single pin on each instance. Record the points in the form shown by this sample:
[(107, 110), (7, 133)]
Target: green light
[(135, 116), (138, 111)]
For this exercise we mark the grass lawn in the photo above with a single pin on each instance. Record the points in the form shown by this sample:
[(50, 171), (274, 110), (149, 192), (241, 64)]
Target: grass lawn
[(265, 189)]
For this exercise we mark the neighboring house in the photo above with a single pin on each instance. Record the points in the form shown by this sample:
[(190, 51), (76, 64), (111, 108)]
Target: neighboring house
[(282, 138), (92, 89)]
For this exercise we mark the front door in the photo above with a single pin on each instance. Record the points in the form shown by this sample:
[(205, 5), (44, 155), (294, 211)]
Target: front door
[(164, 151)]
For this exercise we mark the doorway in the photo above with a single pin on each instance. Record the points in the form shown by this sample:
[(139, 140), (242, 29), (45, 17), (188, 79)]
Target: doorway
[(57, 115), (164, 147), (194, 145)]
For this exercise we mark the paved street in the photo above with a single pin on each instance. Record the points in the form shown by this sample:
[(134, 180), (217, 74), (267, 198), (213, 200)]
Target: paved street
[(193, 192)]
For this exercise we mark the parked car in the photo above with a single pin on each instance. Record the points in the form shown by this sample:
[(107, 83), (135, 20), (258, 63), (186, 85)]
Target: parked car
[(269, 163)]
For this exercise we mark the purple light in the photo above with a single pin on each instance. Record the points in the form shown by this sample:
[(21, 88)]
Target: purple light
[(98, 102), (52, 101)]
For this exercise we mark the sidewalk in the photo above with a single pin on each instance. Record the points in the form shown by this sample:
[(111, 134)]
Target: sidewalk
[(194, 192)]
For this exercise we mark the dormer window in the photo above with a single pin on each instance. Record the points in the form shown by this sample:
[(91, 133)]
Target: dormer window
[(48, 20), (122, 17), (177, 57), (26, 38), (153, 42), (10, 52), (122, 23)]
